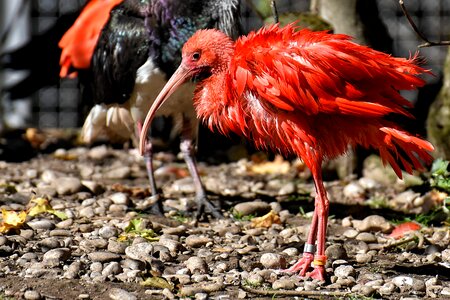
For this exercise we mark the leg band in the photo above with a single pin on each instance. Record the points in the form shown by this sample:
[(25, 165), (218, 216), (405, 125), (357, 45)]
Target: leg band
[(320, 260), (309, 248)]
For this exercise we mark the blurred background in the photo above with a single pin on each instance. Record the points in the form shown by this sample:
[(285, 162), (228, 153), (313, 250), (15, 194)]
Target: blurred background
[(35, 96)]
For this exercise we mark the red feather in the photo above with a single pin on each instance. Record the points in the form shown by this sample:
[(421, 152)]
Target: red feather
[(79, 42)]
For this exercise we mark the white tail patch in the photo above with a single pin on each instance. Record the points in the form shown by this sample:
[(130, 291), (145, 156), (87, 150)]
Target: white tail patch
[(114, 121)]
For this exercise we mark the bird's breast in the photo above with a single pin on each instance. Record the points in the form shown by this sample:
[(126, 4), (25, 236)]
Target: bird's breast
[(149, 82)]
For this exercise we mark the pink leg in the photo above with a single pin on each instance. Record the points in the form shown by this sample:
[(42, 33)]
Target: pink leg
[(148, 158), (317, 234)]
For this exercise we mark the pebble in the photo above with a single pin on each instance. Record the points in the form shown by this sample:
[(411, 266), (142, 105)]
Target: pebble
[(252, 208), (32, 295), (73, 270), (107, 232), (406, 283), (118, 173), (41, 224), (363, 258), (283, 284), (366, 237), (195, 241), (87, 212), (120, 198), (350, 233), (372, 223), (103, 256), (273, 261), (344, 271), (67, 185), (387, 289), (354, 190), (141, 252), (196, 265), (110, 269), (116, 247), (55, 257), (336, 251), (120, 294)]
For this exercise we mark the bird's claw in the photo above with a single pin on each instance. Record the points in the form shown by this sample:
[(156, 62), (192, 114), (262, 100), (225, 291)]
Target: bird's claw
[(205, 206), (302, 265), (318, 273), (152, 204)]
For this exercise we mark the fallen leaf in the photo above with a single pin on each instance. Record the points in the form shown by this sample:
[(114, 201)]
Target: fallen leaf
[(157, 282), (402, 229), (12, 220), (266, 221), (136, 227), (277, 166), (138, 192), (43, 206)]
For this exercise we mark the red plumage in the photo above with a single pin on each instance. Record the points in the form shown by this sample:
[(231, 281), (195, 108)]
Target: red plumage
[(306, 93), (79, 42)]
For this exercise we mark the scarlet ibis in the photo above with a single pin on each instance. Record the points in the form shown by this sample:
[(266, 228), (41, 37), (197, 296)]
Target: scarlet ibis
[(137, 50), (306, 93)]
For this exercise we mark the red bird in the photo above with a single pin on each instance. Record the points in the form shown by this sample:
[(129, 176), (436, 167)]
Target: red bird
[(307, 93)]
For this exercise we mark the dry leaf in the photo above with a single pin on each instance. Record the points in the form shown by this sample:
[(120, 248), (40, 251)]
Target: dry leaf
[(277, 166), (42, 206), (266, 221), (12, 220), (137, 192)]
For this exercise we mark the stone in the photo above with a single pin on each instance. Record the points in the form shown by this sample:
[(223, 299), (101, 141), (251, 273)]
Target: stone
[(41, 224), (116, 247), (103, 256), (196, 265), (107, 232), (55, 257), (252, 208), (354, 190), (273, 261), (120, 198), (336, 251), (32, 295), (121, 294), (141, 252), (195, 241), (363, 258), (67, 185), (344, 271), (372, 223), (112, 268), (366, 237), (284, 284)]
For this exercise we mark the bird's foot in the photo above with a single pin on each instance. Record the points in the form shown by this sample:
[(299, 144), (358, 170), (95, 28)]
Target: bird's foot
[(152, 204), (302, 265), (319, 268), (204, 206)]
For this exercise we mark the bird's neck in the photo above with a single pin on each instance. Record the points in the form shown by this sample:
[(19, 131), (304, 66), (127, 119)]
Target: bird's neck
[(212, 103)]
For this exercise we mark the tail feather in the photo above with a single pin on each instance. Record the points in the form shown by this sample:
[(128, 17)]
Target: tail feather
[(411, 151), (114, 121)]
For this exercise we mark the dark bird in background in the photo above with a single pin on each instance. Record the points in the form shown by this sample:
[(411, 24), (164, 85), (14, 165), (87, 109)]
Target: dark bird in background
[(137, 51)]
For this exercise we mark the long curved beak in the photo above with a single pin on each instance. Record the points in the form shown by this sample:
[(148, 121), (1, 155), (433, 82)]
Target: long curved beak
[(181, 75)]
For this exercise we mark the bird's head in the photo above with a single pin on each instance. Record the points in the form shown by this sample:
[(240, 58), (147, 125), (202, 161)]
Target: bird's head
[(206, 53)]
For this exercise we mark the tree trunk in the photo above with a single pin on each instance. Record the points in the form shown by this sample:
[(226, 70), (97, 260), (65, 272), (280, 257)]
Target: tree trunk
[(438, 121)]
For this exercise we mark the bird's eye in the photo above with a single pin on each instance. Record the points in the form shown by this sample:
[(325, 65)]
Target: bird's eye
[(196, 56)]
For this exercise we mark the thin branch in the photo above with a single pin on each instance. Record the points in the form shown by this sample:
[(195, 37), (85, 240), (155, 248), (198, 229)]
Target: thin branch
[(427, 43), (254, 9), (274, 11)]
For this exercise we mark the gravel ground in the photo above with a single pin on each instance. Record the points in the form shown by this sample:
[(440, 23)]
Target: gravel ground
[(83, 246)]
